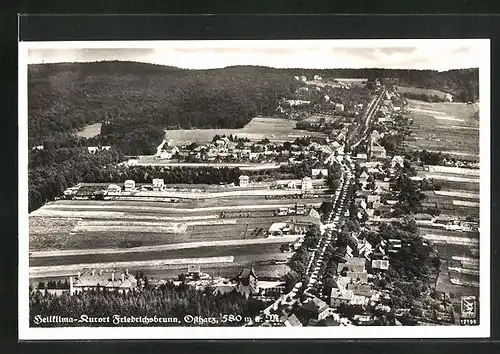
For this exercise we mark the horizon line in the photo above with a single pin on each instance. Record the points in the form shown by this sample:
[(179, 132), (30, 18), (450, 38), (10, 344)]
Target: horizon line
[(249, 65)]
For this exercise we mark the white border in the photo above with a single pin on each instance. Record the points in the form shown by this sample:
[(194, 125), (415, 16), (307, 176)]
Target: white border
[(480, 331)]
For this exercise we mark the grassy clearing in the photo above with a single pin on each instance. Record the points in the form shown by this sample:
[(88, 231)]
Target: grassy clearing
[(90, 130), (419, 91), (274, 129)]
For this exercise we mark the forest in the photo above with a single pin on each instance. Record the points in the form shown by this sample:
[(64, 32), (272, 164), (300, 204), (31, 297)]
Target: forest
[(51, 171), (167, 300)]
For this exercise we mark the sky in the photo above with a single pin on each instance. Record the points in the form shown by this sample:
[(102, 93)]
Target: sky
[(435, 55)]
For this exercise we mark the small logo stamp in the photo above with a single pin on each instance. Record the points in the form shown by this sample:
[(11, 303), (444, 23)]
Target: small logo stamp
[(468, 310)]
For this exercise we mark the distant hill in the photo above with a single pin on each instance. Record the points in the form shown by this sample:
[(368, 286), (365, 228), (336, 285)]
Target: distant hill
[(136, 101)]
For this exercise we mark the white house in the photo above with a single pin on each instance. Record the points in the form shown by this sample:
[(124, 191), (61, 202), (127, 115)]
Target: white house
[(306, 184), (114, 188), (317, 171), (339, 107), (244, 181), (397, 160), (158, 184), (129, 185), (92, 149), (38, 147), (448, 97)]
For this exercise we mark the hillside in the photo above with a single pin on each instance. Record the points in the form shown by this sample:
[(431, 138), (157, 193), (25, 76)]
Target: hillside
[(136, 99), (463, 83)]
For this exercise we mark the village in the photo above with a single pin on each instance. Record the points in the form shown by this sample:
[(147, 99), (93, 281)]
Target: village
[(361, 187)]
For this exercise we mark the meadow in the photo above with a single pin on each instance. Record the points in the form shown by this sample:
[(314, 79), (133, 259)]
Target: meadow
[(446, 127), (419, 91), (275, 129)]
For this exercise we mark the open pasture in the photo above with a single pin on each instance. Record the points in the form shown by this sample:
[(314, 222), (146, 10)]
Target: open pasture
[(275, 129), (89, 131)]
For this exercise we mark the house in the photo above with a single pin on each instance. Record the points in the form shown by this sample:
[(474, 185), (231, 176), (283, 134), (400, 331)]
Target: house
[(194, 269), (92, 149), (361, 289), (303, 78), (340, 296), (365, 249), (378, 151), (354, 264), (322, 172), (381, 264), (397, 160), (129, 185), (297, 78), (385, 186), (306, 184), (158, 184), (373, 198), (114, 188), (38, 147), (361, 158), (374, 136), (292, 321), (247, 283), (339, 107), (106, 147), (269, 274), (363, 177), (223, 289), (279, 229), (113, 281), (293, 103), (314, 309), (394, 245), (448, 97), (244, 181), (317, 78)]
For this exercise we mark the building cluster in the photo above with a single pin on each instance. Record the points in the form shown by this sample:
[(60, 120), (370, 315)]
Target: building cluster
[(225, 150)]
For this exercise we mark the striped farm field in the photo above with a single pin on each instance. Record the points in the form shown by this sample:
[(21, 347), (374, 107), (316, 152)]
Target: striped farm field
[(453, 170), (465, 203), (237, 251), (448, 177), (459, 194)]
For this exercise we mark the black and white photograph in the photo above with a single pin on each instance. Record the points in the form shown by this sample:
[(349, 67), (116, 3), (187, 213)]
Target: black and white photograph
[(254, 189)]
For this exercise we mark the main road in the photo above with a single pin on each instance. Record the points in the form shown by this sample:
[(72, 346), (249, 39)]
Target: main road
[(333, 222)]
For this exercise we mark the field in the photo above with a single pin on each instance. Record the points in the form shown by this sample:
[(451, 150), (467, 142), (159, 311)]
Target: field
[(153, 234), (446, 127), (258, 128), (146, 235), (419, 91), (451, 128), (90, 130)]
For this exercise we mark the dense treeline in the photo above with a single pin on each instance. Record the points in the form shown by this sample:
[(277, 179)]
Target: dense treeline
[(463, 83), (51, 171), (171, 175), (167, 300), (66, 97)]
